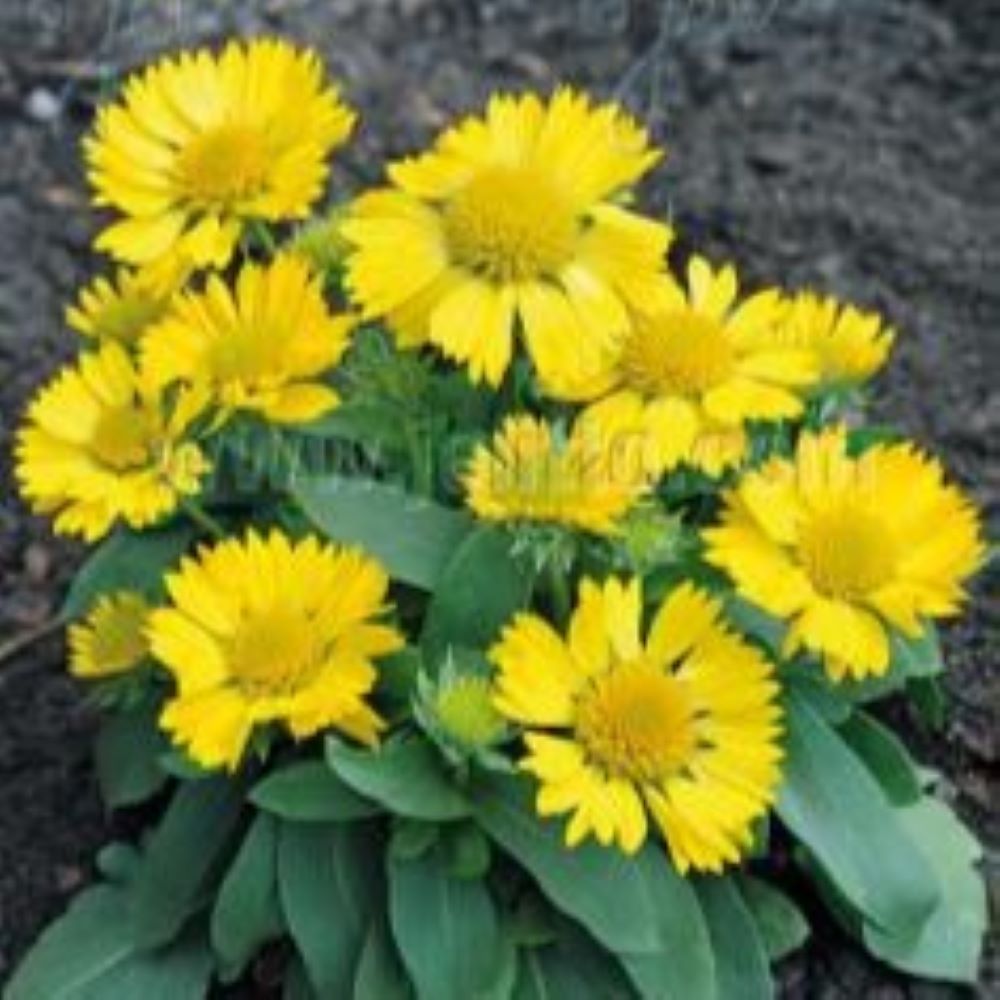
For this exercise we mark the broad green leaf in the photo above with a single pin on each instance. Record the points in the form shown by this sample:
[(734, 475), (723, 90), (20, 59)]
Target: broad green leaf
[(328, 883), (573, 966), (885, 757), (467, 850), (837, 810), (576, 881), (309, 791), (127, 757), (128, 560), (380, 974), (413, 538), (246, 913), (405, 775), (412, 837), (89, 953), (446, 928), (192, 837), (479, 591), (824, 697), (948, 945), (756, 623), (681, 963), (741, 961), (781, 925)]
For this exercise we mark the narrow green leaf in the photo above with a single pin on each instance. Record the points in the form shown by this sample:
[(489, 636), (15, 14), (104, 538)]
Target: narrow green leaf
[(681, 964), (406, 776), (89, 953), (328, 882), (412, 837), (824, 697), (446, 928), (192, 837), (835, 807), (413, 538), (309, 791), (380, 974), (780, 923), (885, 756), (246, 913), (479, 591), (127, 757), (741, 962), (127, 560), (576, 881), (948, 945)]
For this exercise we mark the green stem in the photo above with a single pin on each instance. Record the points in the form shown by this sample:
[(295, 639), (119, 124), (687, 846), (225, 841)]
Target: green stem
[(419, 448), (558, 586), (203, 519)]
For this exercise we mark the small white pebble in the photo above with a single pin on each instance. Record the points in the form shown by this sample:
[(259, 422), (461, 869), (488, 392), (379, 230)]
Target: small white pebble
[(42, 105)]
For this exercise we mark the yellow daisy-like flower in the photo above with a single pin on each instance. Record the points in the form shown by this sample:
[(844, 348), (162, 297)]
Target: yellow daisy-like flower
[(511, 221), (529, 473), (112, 638), (683, 727), (265, 630), (261, 346), (99, 445), (120, 308), (850, 345), (845, 548), (692, 374), (199, 144)]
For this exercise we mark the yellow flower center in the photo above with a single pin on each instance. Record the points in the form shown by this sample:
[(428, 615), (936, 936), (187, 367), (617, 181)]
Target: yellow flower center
[(681, 353), (637, 722), (223, 165), (123, 437), (274, 651), (466, 713), (510, 224), (847, 552)]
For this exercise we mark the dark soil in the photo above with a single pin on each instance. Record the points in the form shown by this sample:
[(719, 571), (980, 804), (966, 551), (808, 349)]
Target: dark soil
[(853, 146)]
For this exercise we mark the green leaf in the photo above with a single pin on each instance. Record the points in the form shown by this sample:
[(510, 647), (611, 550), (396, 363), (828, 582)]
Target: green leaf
[(413, 538), (127, 757), (681, 963), (781, 925), (573, 966), (885, 757), (467, 850), (948, 945), (479, 591), (741, 962), (89, 953), (246, 913), (835, 807), (192, 837), (404, 775), (308, 791), (824, 697), (412, 837), (756, 623), (577, 881), (380, 974), (446, 929), (128, 560), (328, 882)]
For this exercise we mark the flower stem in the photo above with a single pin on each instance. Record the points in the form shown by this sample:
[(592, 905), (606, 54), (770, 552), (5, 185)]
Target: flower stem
[(203, 519), (558, 587)]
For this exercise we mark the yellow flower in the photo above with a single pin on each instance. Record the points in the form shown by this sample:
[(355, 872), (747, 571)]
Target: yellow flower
[(513, 221), (112, 638), (120, 308), (200, 143), (683, 728), (261, 346), (844, 548), (850, 345), (529, 473), (265, 630), (99, 445), (692, 374)]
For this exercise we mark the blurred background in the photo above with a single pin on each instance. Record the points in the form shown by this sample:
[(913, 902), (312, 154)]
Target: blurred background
[(852, 146)]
